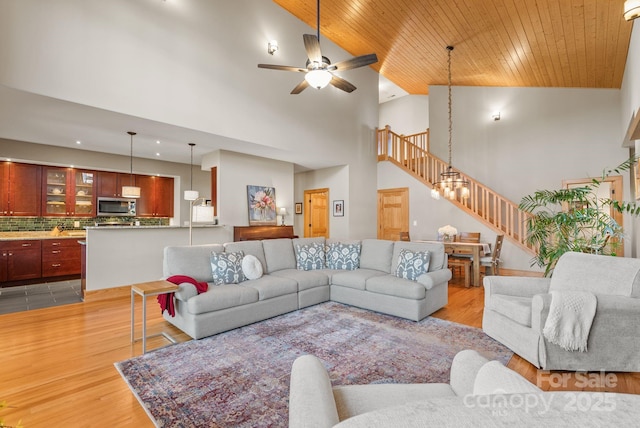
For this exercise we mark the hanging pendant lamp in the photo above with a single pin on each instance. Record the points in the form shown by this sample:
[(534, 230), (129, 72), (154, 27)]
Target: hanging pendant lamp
[(191, 195), (131, 191), (451, 182)]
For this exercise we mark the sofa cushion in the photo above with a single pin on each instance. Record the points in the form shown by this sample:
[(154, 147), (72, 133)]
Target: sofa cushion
[(435, 249), (376, 254), (412, 264), (516, 308), (251, 267), (279, 254), (310, 256), (354, 278), (343, 256), (221, 297), (193, 261), (494, 378), (226, 268), (393, 286), (248, 247), (270, 286), (305, 280)]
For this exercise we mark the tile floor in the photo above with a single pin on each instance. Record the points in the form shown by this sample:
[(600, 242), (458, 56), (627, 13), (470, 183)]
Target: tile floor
[(37, 296)]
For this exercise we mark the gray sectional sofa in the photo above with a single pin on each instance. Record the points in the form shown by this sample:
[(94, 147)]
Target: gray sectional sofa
[(284, 286)]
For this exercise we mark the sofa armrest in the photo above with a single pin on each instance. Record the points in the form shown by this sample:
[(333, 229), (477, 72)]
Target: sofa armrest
[(311, 402), (431, 279), (186, 291), (616, 315), (464, 368)]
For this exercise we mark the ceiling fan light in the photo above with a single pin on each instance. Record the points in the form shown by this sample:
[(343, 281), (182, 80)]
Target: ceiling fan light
[(631, 9), (318, 78)]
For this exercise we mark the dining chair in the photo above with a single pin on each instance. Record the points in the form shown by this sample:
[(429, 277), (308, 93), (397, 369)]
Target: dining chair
[(493, 261)]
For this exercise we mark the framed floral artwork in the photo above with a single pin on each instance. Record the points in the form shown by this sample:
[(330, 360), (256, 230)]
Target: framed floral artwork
[(262, 205)]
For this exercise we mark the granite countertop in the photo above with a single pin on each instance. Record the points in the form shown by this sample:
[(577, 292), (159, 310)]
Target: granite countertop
[(43, 234), (150, 227)]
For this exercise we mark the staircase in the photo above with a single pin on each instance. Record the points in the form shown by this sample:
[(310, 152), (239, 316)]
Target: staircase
[(411, 153)]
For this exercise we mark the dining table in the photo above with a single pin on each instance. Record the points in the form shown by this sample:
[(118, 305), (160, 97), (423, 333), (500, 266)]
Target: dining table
[(476, 249)]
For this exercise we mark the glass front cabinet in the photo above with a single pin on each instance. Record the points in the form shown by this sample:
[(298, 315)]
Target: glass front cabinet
[(68, 192)]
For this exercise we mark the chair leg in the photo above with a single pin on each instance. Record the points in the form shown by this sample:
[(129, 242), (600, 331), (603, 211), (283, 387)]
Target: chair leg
[(467, 275)]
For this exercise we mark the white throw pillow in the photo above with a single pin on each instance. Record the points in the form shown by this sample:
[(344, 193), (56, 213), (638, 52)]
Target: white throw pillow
[(494, 378), (251, 267)]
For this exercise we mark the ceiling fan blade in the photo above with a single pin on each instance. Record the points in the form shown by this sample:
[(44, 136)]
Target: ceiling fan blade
[(282, 67), (359, 61), (340, 83), (301, 87), (312, 46)]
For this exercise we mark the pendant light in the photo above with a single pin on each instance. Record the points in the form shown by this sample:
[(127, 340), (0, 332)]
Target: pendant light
[(191, 195), (131, 191), (451, 182)]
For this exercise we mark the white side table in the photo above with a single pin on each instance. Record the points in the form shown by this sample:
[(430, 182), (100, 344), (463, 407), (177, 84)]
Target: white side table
[(145, 289)]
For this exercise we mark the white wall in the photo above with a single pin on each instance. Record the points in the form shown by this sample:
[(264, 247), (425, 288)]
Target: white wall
[(407, 115), (236, 171), (333, 179)]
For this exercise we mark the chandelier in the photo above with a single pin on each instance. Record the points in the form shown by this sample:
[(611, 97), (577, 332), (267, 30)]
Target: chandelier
[(451, 182)]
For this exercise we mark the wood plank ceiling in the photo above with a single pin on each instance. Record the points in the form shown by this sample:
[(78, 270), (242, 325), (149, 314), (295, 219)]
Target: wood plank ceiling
[(533, 43)]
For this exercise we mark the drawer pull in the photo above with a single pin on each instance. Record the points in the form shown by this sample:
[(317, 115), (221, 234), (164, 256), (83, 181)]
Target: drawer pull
[(26, 245), (55, 243), (56, 252), (55, 265)]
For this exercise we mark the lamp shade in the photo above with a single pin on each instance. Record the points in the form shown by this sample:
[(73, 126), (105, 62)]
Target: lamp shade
[(318, 78), (202, 214), (191, 195), (631, 9), (130, 192)]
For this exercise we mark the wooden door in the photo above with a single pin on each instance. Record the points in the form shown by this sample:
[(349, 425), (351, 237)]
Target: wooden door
[(393, 213), (316, 213)]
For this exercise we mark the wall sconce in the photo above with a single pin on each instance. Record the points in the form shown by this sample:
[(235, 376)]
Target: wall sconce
[(272, 47), (495, 115), (631, 9)]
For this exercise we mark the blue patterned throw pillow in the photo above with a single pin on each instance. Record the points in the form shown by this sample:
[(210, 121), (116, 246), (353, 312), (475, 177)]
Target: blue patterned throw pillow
[(412, 264), (343, 256), (310, 257), (226, 268)]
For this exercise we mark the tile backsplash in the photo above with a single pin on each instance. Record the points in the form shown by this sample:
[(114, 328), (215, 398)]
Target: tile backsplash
[(18, 224)]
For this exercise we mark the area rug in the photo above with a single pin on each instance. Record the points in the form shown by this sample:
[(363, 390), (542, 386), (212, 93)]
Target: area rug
[(241, 378)]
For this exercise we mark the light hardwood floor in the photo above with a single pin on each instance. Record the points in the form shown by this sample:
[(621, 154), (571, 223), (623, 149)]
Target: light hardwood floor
[(56, 365)]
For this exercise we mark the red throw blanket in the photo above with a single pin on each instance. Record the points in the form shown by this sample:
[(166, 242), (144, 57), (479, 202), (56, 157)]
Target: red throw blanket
[(166, 300)]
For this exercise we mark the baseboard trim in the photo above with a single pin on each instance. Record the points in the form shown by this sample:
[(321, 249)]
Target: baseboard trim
[(107, 293)]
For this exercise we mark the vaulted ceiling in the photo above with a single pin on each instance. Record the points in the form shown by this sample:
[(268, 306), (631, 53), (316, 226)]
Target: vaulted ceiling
[(534, 43)]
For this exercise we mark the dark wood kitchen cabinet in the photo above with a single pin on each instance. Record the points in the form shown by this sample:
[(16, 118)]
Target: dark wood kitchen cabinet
[(156, 196), (109, 184), (20, 190), (68, 192), (60, 257), (20, 260)]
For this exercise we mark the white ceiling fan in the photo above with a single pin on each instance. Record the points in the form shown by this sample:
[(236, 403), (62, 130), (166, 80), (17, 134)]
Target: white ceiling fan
[(319, 70)]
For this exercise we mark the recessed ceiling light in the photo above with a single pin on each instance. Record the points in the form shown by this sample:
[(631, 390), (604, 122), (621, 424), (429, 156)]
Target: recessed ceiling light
[(157, 154), (157, 141), (78, 142)]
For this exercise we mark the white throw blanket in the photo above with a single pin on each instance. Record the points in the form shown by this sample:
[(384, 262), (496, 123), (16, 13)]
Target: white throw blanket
[(570, 316)]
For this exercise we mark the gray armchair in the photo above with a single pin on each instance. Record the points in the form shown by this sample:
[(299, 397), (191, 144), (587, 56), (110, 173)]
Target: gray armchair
[(516, 309)]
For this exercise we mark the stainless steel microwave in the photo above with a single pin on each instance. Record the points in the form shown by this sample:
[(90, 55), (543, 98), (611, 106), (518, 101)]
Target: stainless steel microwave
[(116, 207)]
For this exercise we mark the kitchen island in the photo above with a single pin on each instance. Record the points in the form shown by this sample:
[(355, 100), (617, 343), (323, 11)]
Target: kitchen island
[(118, 256)]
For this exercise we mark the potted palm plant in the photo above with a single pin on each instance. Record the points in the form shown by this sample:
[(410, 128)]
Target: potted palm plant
[(574, 219)]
